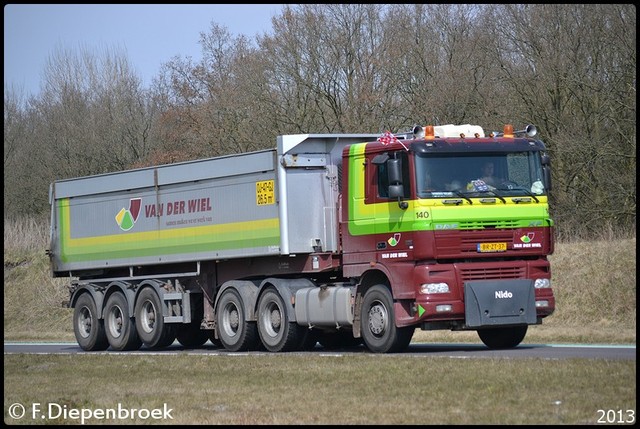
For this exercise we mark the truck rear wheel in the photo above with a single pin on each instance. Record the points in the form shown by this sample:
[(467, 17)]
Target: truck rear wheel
[(88, 329), (503, 338), (152, 330), (120, 327), (277, 332), (234, 331), (377, 322)]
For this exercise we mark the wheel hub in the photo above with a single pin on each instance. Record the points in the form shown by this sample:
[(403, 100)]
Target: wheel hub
[(276, 319), (377, 319)]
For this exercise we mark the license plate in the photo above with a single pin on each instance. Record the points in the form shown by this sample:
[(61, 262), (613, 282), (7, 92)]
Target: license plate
[(492, 247)]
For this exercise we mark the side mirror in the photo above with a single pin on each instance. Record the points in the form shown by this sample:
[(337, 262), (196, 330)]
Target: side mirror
[(546, 170), (547, 177), (545, 159), (396, 191), (394, 171), (396, 188)]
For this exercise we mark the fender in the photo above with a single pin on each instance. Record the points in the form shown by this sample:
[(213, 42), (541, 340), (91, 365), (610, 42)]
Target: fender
[(101, 293), (287, 289), (248, 291), (98, 296)]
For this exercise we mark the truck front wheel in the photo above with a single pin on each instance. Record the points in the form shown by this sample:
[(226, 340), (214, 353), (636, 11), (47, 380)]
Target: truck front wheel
[(503, 338), (89, 330), (120, 328), (377, 323), (234, 331), (152, 330)]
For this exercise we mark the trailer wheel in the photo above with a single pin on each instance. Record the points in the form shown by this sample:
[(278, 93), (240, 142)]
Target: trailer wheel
[(234, 331), (377, 324), (152, 330), (277, 332), (120, 327), (88, 329), (503, 338)]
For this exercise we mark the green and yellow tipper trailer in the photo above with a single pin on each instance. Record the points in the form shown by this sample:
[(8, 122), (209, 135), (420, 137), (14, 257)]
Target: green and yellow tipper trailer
[(336, 239)]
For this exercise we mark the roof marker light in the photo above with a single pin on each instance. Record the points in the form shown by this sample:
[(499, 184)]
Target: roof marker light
[(429, 133), (508, 131)]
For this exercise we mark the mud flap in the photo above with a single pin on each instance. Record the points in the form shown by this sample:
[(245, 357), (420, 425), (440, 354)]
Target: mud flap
[(491, 303)]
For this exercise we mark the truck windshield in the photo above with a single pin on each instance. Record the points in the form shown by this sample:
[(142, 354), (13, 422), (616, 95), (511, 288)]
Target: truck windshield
[(505, 174)]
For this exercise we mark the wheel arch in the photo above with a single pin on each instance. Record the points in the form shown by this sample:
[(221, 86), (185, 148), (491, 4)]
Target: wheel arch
[(287, 289), (373, 277), (127, 289), (101, 294), (156, 285), (98, 297), (367, 279), (248, 291)]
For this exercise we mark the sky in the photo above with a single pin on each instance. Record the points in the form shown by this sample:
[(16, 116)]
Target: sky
[(149, 35)]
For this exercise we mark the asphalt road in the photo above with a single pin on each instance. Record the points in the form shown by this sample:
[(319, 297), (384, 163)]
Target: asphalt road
[(451, 350)]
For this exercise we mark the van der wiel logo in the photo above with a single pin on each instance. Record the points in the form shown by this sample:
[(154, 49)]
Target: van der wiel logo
[(528, 237), (126, 218), (393, 241)]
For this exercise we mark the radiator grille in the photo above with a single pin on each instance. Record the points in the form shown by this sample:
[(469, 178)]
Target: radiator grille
[(492, 273)]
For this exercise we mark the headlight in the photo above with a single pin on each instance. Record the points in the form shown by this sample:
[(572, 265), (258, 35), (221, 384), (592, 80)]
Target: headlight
[(429, 288), (542, 283)]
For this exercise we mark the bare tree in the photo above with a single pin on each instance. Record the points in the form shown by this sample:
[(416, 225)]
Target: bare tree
[(16, 138), (93, 111), (14, 124), (91, 117), (570, 69), (573, 67)]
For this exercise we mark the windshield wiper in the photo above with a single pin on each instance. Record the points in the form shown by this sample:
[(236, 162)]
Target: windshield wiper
[(525, 190), (461, 194), (496, 194)]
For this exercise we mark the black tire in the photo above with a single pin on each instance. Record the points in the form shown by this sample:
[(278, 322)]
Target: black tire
[(503, 338), (191, 336), (120, 327), (377, 322), (212, 337), (277, 332), (153, 332), (87, 327), (234, 331)]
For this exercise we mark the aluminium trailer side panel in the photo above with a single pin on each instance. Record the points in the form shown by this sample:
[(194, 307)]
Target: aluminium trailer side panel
[(309, 167), (274, 202), (217, 208)]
